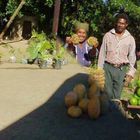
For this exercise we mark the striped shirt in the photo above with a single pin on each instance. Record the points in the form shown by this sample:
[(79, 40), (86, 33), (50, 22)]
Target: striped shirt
[(118, 50)]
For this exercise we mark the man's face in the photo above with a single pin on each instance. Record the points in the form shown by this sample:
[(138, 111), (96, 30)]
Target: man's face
[(82, 35), (121, 25)]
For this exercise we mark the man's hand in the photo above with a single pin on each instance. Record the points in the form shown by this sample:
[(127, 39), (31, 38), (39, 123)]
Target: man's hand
[(127, 80)]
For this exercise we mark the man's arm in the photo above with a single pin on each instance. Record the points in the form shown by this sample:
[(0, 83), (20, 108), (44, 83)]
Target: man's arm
[(132, 58), (132, 61)]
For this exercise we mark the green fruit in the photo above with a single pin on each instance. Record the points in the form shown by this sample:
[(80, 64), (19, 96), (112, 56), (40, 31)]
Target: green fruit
[(133, 101), (138, 92), (138, 83), (138, 102), (137, 97)]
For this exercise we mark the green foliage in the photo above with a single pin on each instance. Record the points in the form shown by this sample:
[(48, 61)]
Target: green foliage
[(84, 11), (132, 8), (11, 6), (38, 8), (43, 48), (38, 36), (59, 55), (129, 91), (99, 14), (49, 2), (39, 46), (34, 6), (138, 70)]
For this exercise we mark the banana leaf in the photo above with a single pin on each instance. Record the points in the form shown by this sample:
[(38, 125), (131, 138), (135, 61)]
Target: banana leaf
[(35, 49)]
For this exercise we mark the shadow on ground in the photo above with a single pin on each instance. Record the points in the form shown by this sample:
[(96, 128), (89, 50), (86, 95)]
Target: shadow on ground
[(21, 68), (50, 122)]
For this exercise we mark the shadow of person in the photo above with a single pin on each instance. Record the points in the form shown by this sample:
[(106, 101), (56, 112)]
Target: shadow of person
[(51, 122)]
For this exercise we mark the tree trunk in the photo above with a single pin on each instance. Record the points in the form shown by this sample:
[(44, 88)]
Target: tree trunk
[(56, 16), (12, 18)]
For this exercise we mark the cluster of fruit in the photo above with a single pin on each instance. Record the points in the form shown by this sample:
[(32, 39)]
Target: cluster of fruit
[(135, 99), (93, 41), (75, 39), (98, 76), (89, 101)]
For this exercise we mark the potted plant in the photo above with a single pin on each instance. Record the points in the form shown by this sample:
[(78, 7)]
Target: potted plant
[(40, 49), (58, 57), (46, 51)]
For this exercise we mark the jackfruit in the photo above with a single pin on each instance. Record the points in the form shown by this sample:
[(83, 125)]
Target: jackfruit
[(93, 90), (83, 104), (71, 99), (74, 111), (94, 107), (93, 41), (75, 39), (80, 90), (99, 76)]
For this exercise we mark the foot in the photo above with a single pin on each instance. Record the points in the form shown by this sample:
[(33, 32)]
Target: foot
[(119, 106)]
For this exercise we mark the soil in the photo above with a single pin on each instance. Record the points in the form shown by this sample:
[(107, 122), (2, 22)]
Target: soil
[(32, 106)]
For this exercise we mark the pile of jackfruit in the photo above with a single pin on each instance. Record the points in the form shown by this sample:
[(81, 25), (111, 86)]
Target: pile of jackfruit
[(91, 100)]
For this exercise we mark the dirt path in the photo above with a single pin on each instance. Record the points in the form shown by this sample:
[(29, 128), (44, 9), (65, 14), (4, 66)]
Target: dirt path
[(32, 107), (23, 88)]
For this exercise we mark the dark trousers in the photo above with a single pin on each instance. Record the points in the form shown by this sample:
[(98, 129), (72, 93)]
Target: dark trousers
[(114, 80)]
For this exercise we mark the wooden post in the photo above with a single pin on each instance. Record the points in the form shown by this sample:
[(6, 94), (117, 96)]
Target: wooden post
[(56, 17), (56, 22), (12, 18)]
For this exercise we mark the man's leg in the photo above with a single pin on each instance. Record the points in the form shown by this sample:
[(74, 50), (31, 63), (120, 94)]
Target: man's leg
[(117, 89), (108, 80), (118, 81)]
